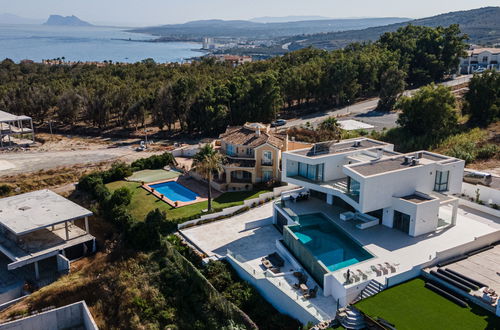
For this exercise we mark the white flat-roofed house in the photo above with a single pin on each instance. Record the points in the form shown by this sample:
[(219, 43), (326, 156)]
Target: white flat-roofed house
[(38, 235), (480, 58), (403, 191)]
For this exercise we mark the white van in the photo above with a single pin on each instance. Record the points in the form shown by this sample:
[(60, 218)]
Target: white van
[(476, 177)]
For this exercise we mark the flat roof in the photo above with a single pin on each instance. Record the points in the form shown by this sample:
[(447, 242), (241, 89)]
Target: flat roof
[(416, 198), (35, 210), (5, 116), (332, 147), (397, 163)]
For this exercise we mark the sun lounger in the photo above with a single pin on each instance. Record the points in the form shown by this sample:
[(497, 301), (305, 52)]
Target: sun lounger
[(391, 267), (376, 270), (383, 269), (362, 275), (312, 293)]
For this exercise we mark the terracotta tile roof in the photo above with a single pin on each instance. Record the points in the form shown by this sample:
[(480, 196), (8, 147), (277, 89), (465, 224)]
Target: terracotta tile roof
[(246, 137)]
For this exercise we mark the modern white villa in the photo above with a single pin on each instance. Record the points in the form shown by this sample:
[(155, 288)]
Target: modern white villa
[(359, 218), (380, 186)]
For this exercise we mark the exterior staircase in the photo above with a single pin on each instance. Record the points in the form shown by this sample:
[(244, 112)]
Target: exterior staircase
[(351, 318), (371, 289)]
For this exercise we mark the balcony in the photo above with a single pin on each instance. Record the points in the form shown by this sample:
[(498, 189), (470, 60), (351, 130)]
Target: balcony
[(267, 163)]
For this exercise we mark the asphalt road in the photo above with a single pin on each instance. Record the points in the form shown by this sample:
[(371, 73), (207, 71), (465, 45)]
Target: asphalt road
[(364, 111)]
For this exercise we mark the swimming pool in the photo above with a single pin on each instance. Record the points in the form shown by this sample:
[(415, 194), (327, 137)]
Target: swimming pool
[(174, 191), (325, 241)]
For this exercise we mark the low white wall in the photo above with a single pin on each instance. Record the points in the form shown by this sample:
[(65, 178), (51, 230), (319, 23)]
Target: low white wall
[(479, 207), (63, 264), (263, 198), (67, 317), (187, 151), (12, 292), (486, 194)]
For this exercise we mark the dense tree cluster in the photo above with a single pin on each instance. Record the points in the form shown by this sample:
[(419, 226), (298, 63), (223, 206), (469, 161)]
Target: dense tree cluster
[(483, 98), (204, 97)]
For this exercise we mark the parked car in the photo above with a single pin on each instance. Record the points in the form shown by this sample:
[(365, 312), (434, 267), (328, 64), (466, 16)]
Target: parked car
[(279, 122), (479, 70), (476, 177)]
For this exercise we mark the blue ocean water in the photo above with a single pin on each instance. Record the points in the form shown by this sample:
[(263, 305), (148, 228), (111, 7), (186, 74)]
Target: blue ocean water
[(39, 42), (175, 191)]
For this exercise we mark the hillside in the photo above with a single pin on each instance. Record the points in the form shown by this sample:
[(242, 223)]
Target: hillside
[(482, 25), (7, 18), (256, 30), (57, 20)]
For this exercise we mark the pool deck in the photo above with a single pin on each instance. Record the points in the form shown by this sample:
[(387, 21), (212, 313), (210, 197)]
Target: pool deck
[(393, 246), (252, 236), (188, 183)]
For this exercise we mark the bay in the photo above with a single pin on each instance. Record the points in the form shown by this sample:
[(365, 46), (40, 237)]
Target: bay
[(87, 44)]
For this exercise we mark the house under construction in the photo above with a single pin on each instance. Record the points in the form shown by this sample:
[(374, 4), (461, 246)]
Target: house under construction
[(13, 127)]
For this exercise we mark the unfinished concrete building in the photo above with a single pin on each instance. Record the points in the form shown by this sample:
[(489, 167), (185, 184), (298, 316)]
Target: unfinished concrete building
[(17, 128), (38, 238)]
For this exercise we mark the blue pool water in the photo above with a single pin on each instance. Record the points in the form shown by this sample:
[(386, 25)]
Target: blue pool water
[(328, 242), (174, 191)]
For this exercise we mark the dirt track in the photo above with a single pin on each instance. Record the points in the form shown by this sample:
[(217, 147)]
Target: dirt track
[(24, 162)]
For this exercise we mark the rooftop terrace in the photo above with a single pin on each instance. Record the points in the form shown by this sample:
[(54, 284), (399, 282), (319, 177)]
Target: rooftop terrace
[(398, 163), (332, 147)]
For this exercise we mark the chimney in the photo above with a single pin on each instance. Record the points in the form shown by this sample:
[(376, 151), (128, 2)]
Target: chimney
[(380, 153), (286, 142), (257, 131)]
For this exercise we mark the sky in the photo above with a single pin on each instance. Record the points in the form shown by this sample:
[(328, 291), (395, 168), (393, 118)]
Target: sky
[(155, 12)]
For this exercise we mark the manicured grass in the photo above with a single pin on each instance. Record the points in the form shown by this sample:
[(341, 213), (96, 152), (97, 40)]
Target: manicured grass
[(153, 175), (412, 306), (143, 201)]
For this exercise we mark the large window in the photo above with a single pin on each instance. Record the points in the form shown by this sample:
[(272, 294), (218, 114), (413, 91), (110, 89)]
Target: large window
[(353, 188), (311, 172), (267, 176), (267, 158), (441, 183), (230, 150)]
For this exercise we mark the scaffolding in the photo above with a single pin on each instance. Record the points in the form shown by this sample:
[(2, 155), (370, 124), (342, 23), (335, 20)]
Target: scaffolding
[(13, 126)]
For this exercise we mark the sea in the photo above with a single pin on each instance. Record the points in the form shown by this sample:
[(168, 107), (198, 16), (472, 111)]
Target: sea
[(88, 44)]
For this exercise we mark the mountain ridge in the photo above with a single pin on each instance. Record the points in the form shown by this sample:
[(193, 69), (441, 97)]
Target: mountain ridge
[(482, 25)]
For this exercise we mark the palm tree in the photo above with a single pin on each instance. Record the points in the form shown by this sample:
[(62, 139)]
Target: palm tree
[(206, 162)]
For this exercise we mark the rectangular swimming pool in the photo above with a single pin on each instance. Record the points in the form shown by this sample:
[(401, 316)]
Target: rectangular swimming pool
[(175, 191), (327, 242)]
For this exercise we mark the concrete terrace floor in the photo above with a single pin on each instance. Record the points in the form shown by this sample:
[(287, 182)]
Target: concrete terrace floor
[(251, 236), (393, 246)]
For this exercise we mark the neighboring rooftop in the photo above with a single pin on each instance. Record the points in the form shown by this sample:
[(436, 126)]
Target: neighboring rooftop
[(8, 117), (477, 51), (253, 135), (32, 211), (332, 147)]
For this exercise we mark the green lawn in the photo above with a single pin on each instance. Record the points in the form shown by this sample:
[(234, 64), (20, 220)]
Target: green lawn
[(412, 306), (153, 175), (143, 201)]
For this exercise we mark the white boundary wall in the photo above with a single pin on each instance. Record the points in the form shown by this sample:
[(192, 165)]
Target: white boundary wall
[(67, 317), (246, 203), (486, 194)]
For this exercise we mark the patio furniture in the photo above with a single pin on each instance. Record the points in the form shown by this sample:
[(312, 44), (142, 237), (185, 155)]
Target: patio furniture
[(383, 269), (312, 293), (376, 270), (391, 267), (363, 275), (303, 287)]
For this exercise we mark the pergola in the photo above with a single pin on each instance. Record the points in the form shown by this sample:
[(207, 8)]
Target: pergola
[(13, 125)]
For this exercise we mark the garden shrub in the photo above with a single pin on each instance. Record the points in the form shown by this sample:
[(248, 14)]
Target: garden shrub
[(5, 189), (153, 162)]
